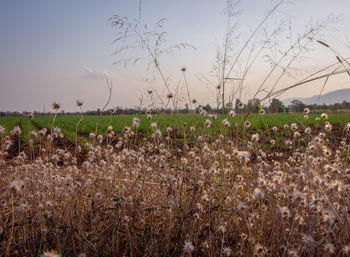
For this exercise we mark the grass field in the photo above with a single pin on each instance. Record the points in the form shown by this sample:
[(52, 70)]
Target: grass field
[(67, 124)]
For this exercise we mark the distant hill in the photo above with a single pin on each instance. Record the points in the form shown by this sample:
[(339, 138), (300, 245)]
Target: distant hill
[(333, 97)]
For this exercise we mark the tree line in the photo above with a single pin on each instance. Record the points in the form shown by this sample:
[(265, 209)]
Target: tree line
[(253, 105)]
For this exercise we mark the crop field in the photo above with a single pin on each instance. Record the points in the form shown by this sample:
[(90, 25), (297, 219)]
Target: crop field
[(179, 122), (172, 185)]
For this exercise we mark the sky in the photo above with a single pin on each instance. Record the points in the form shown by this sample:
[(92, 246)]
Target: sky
[(62, 50)]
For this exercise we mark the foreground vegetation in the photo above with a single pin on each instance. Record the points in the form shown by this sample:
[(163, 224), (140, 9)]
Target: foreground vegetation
[(173, 193)]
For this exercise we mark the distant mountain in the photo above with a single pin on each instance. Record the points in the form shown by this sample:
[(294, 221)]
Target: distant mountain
[(333, 97)]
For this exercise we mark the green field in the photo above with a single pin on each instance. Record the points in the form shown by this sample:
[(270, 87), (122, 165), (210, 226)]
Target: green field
[(67, 124)]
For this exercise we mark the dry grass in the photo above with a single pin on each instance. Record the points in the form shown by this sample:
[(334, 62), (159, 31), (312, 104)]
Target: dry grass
[(157, 199)]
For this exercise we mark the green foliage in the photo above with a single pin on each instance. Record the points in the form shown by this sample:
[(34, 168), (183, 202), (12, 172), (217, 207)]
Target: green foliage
[(180, 123)]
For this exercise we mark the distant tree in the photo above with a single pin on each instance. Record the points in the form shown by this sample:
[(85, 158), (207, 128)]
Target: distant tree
[(297, 106), (229, 106), (187, 107), (253, 105), (208, 108), (276, 106)]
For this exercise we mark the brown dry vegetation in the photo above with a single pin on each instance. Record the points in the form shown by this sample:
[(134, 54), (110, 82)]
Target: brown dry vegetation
[(157, 198)]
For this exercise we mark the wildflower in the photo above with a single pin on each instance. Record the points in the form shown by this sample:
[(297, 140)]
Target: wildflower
[(306, 110), (33, 133), (208, 123), (244, 156), (184, 161), (50, 254), (17, 185), (169, 96), (306, 117), (232, 113), (194, 101), (16, 131), (42, 132), (286, 126), (188, 247), (346, 128), (274, 129), (328, 247), (272, 141), (293, 253), (328, 127), (244, 236), (135, 122), (183, 69), (205, 245), (127, 130), (260, 250), (154, 125), (293, 126), (247, 124), (307, 130), (149, 91), (285, 212), (158, 133), (227, 251), (56, 106), (192, 128), (202, 112), (169, 130), (317, 119), (262, 112), (240, 105), (149, 115), (222, 229), (255, 137), (30, 116), (296, 134), (2, 130), (225, 123), (324, 116), (346, 249), (258, 193), (99, 138), (308, 240), (112, 110), (79, 103), (92, 135)]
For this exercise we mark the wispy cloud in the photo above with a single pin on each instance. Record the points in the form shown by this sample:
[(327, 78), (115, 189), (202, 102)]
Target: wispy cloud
[(92, 74)]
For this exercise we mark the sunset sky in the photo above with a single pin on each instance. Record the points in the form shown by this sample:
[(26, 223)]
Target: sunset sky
[(61, 50)]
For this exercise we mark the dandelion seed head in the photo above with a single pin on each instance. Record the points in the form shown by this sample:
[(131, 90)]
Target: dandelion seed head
[(56, 106), (2, 130), (227, 251), (188, 247), (79, 103), (226, 123), (52, 253)]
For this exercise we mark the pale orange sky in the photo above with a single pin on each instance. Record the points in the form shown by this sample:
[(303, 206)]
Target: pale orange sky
[(62, 50)]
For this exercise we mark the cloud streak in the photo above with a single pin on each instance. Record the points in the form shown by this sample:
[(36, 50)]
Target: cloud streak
[(96, 75)]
